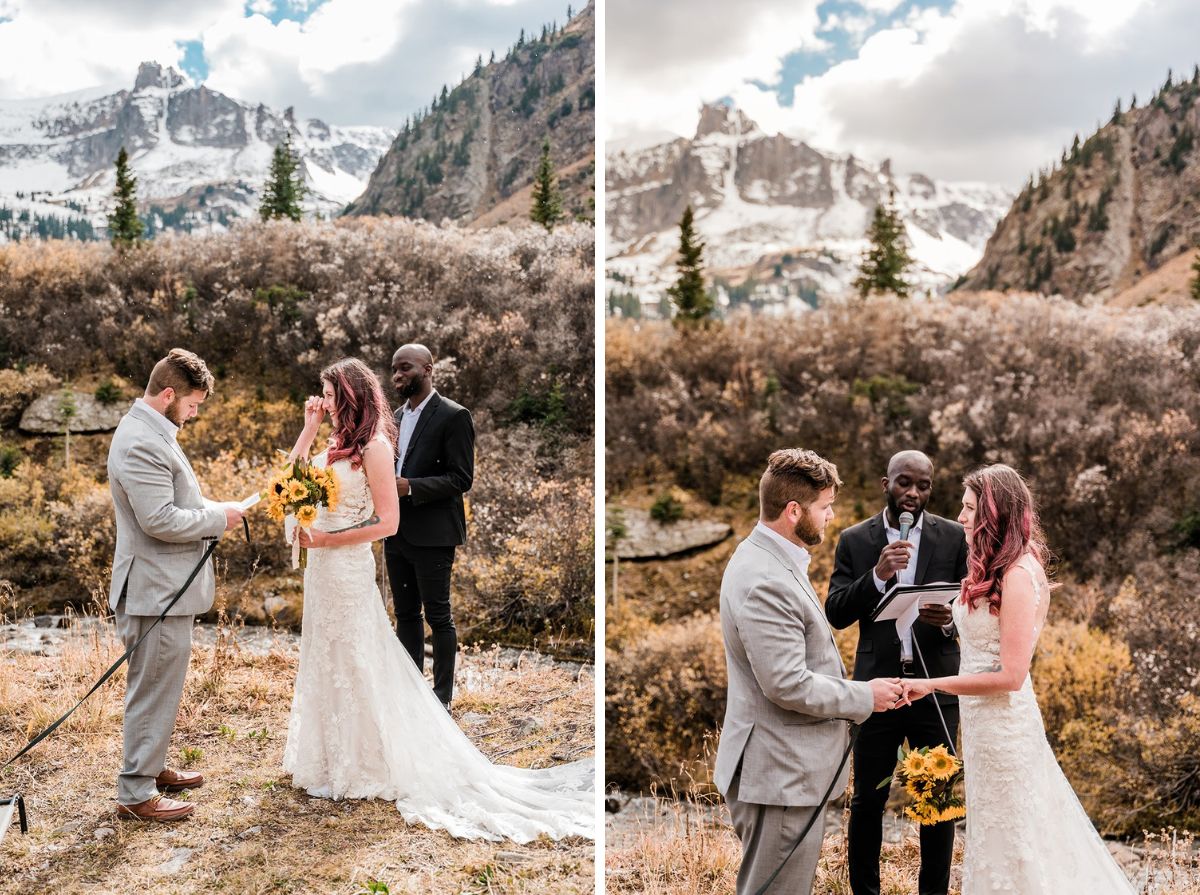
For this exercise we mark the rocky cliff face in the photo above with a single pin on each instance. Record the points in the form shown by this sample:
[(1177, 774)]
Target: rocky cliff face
[(783, 221), (480, 143), (1114, 209), (200, 157)]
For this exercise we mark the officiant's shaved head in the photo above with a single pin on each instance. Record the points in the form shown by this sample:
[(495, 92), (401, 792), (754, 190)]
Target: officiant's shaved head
[(914, 460), (415, 351)]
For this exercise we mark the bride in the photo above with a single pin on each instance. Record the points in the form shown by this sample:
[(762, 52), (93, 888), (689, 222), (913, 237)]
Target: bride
[(364, 722), (1026, 831)]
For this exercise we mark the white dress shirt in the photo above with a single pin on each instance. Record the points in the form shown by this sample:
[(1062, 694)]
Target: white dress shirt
[(907, 575), (408, 424)]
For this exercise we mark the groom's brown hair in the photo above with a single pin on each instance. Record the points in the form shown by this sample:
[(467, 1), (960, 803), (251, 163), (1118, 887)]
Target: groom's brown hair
[(794, 474), (182, 371)]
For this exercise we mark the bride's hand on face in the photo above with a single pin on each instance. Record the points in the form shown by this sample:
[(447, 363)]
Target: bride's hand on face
[(314, 413)]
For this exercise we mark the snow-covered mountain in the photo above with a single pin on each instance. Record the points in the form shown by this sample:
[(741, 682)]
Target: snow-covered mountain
[(783, 223), (200, 157)]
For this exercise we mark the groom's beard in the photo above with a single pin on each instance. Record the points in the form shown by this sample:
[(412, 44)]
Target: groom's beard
[(174, 412), (809, 532)]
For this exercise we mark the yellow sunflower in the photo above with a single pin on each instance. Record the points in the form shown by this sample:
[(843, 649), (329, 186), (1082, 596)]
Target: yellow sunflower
[(914, 764), (914, 789), (306, 515), (275, 511), (940, 764), (296, 490)]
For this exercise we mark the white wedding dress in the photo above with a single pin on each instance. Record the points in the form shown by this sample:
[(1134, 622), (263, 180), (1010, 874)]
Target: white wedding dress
[(1027, 834), (365, 724)]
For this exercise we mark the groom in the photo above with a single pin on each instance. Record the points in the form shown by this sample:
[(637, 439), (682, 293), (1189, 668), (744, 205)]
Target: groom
[(784, 733), (870, 557), (435, 465), (163, 522)]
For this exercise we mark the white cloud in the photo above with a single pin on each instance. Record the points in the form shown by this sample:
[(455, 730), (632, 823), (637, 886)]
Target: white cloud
[(666, 58), (349, 62), (990, 90)]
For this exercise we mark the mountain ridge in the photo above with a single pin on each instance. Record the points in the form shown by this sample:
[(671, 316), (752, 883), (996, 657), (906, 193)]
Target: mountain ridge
[(1114, 209), (200, 156), (479, 144), (774, 203)]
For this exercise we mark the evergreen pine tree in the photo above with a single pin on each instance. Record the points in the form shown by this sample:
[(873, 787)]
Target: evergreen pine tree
[(285, 185), (689, 299), (887, 258), (124, 225), (547, 207)]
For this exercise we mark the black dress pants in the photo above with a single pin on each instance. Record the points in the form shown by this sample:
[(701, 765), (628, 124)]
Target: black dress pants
[(420, 583), (874, 760)]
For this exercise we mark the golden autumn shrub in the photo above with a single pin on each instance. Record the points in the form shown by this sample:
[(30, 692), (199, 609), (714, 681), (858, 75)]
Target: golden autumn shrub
[(508, 313), (664, 702)]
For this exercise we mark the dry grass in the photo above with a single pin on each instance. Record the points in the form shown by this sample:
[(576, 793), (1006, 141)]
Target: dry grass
[(690, 849), (252, 832)]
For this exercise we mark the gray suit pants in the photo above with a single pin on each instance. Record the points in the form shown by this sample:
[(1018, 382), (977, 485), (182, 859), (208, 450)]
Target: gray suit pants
[(153, 691), (767, 832)]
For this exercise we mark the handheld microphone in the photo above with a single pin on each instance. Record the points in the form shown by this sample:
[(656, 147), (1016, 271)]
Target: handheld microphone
[(906, 524)]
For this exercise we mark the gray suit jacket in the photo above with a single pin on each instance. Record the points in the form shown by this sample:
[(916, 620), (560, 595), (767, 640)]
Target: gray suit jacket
[(788, 697), (162, 519)]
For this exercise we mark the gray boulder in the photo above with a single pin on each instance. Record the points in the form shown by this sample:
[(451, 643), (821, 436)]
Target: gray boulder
[(44, 416), (646, 538)]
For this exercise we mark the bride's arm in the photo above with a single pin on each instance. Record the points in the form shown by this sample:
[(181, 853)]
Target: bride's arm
[(381, 478), (313, 414), (1018, 614)]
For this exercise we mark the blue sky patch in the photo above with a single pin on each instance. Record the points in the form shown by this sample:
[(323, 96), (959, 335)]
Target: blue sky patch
[(194, 65), (842, 43), (290, 10)]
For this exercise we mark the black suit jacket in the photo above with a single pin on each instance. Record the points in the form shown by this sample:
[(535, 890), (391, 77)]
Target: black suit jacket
[(439, 466), (853, 595)]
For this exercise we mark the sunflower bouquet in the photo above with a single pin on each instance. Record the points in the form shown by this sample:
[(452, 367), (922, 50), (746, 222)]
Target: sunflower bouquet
[(293, 496), (929, 776)]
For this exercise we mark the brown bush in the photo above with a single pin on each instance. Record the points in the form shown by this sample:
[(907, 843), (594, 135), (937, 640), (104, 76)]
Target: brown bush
[(665, 700), (19, 388), (1099, 407), (276, 302), (509, 314)]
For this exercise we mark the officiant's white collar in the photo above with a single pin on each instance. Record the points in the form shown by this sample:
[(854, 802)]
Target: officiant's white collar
[(798, 554), (916, 526), (416, 411), (168, 428)]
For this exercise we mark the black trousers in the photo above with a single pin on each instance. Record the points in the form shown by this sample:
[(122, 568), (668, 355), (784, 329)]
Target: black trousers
[(875, 759), (420, 580)]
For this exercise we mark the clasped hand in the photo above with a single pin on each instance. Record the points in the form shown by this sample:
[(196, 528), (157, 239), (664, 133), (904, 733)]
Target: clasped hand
[(893, 693)]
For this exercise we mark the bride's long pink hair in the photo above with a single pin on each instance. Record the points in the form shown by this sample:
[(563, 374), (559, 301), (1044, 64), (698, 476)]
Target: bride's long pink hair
[(361, 409), (1006, 528)]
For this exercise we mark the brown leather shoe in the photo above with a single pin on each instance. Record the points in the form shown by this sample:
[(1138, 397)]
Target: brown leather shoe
[(158, 808), (177, 781)]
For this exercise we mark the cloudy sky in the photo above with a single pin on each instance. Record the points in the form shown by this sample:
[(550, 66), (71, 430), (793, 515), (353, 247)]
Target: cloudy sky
[(344, 61), (969, 90)]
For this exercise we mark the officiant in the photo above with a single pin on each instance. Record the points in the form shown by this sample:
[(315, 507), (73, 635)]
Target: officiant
[(871, 558)]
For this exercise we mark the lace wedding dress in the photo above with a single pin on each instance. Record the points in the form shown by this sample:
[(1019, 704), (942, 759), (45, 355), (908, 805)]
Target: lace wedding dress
[(1027, 834), (366, 725)]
